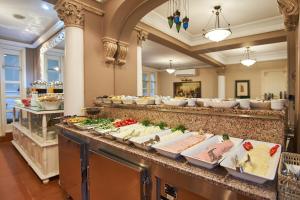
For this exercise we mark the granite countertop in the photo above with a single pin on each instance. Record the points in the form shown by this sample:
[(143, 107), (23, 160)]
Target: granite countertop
[(268, 114), (217, 176)]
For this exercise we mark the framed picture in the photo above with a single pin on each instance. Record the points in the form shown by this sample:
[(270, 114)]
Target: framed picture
[(242, 89), (190, 89)]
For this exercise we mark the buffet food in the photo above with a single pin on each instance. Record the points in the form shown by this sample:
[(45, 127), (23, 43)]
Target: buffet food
[(50, 102), (250, 160), (73, 120), (125, 122), (125, 136), (175, 102), (173, 147), (128, 99), (145, 101), (254, 161), (116, 99), (212, 151)]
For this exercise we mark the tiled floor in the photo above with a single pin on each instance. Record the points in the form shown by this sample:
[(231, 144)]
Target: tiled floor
[(19, 182)]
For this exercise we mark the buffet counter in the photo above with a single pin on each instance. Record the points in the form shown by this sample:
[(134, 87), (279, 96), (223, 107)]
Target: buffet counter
[(262, 125), (168, 178)]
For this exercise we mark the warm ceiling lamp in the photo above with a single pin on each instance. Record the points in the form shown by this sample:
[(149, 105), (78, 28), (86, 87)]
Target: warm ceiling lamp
[(170, 70), (217, 33), (247, 61)]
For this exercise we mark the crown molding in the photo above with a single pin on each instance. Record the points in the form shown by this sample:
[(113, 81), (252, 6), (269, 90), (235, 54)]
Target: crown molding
[(159, 22), (13, 44), (259, 57), (58, 26)]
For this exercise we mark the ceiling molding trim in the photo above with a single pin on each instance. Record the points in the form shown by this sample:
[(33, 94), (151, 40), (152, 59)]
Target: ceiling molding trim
[(13, 44), (58, 26), (251, 28), (159, 22), (52, 42), (91, 8), (265, 56)]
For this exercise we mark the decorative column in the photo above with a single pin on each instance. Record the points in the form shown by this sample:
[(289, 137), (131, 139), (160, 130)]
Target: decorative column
[(141, 36), (72, 14), (221, 82)]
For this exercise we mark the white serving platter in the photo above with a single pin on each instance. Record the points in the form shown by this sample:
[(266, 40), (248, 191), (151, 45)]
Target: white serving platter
[(189, 153), (158, 146), (138, 141), (120, 137), (228, 164), (114, 134)]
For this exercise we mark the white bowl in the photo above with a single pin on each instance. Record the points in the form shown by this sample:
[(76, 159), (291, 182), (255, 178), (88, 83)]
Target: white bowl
[(277, 104), (50, 105), (244, 103), (176, 102), (192, 102), (221, 104)]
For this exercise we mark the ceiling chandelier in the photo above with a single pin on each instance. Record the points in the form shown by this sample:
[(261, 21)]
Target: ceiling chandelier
[(247, 61), (170, 70), (217, 33), (176, 10)]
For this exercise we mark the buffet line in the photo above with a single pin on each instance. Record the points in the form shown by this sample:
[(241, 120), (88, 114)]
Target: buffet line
[(251, 160), (245, 104)]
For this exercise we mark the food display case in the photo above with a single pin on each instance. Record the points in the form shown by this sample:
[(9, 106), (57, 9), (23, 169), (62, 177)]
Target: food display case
[(35, 137)]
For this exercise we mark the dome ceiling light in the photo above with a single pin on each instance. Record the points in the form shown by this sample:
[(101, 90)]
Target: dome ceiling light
[(170, 70), (247, 61), (217, 33)]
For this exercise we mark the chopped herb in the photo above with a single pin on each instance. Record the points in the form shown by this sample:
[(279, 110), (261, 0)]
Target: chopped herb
[(162, 125), (146, 122), (225, 137), (179, 127)]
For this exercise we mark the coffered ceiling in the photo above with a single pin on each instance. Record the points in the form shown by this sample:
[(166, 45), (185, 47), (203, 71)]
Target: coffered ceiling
[(25, 20), (157, 56), (247, 18)]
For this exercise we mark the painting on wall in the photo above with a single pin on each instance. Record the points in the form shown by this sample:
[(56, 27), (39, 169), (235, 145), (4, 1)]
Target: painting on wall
[(242, 89), (190, 89)]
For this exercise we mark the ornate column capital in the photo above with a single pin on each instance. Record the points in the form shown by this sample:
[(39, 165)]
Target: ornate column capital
[(290, 11), (110, 47), (122, 52), (70, 12), (142, 35)]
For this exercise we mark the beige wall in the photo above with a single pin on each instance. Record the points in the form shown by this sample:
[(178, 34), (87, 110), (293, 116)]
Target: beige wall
[(100, 78), (254, 74), (126, 75), (97, 75), (207, 76)]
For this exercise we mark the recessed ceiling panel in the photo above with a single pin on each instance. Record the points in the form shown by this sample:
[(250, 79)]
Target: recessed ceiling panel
[(158, 56), (236, 12), (25, 20)]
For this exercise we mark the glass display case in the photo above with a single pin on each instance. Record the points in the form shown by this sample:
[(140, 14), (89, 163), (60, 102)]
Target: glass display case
[(35, 137)]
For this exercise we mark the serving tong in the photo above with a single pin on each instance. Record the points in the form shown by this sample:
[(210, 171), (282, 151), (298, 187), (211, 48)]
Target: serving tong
[(131, 135), (151, 141), (289, 170), (239, 167), (212, 155)]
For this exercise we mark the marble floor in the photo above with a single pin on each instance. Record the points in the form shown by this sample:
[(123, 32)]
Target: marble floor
[(19, 182)]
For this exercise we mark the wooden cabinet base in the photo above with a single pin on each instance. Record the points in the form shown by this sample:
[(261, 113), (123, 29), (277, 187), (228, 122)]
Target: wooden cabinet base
[(42, 159)]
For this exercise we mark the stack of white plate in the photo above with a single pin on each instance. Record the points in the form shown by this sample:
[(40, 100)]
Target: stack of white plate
[(244, 103), (277, 104)]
